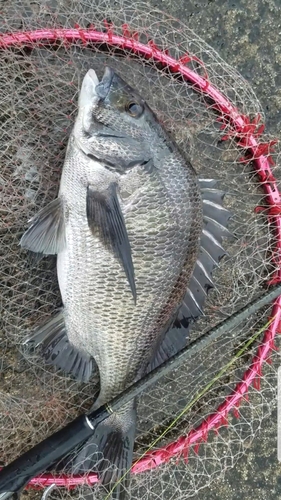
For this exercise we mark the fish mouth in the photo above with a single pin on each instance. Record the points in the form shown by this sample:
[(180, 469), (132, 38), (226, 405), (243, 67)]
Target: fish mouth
[(93, 90), (92, 74), (103, 87), (88, 90)]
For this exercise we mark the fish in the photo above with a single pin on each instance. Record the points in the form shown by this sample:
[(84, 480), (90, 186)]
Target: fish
[(137, 236)]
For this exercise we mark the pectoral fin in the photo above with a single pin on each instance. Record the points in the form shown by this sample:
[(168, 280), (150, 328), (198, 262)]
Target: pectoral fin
[(105, 216), (46, 233)]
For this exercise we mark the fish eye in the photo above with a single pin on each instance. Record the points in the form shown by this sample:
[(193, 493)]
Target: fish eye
[(134, 109)]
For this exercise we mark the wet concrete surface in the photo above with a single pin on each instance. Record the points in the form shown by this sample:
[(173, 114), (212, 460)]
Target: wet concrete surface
[(247, 35)]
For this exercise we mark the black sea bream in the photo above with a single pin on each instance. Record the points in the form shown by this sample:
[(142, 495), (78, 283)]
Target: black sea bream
[(137, 237)]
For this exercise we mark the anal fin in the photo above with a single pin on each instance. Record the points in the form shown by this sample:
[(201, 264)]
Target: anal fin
[(59, 352), (173, 341)]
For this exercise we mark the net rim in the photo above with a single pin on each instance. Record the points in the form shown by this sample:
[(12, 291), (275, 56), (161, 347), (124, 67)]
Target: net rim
[(258, 152)]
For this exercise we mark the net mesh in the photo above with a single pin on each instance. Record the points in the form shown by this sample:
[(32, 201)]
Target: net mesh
[(40, 80)]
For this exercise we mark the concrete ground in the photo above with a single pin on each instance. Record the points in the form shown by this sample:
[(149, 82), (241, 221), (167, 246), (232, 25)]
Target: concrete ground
[(247, 35)]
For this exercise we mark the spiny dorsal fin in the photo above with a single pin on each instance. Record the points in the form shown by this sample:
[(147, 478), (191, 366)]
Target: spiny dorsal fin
[(215, 219)]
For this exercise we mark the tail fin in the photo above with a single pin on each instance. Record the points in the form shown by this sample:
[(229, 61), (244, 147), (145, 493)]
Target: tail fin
[(109, 452)]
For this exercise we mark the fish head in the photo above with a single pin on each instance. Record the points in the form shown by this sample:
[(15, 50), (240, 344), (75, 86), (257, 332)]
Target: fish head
[(114, 123)]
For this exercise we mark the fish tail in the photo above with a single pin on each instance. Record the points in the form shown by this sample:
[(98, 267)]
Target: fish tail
[(109, 452)]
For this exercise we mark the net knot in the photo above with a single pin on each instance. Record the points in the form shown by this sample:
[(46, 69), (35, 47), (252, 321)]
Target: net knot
[(250, 128), (236, 412), (109, 27), (204, 430), (163, 457), (257, 383), (223, 419), (274, 210), (244, 132), (128, 33), (154, 48), (276, 278), (187, 58), (262, 149), (272, 344)]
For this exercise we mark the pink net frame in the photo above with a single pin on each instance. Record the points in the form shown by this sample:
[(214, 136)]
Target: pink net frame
[(248, 135)]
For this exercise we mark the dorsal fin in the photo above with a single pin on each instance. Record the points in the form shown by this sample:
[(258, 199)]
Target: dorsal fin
[(215, 220)]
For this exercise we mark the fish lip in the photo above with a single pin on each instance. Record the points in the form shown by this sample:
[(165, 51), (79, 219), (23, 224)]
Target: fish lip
[(92, 74), (102, 89)]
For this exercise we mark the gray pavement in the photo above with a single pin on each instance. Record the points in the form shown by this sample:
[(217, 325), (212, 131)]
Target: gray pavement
[(246, 34)]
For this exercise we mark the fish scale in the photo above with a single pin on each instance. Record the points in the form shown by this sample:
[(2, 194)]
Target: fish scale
[(137, 236), (122, 318)]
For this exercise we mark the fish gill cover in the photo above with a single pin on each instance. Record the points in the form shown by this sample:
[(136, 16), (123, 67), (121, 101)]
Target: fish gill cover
[(40, 81)]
